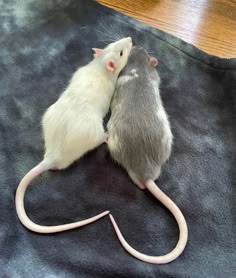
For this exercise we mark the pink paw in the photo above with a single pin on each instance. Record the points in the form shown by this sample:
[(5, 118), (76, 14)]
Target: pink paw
[(106, 138), (141, 186)]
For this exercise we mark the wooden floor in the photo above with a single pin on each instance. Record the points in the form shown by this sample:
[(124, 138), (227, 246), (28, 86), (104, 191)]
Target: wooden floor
[(208, 24)]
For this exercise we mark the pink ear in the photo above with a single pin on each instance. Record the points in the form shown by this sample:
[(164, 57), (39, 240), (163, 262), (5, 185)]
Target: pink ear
[(111, 65), (97, 51), (153, 61)]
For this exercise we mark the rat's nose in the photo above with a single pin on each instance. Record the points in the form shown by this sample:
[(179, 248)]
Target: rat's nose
[(130, 39)]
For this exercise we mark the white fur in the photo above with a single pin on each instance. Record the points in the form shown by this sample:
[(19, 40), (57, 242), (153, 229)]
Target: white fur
[(126, 78), (134, 72), (74, 124)]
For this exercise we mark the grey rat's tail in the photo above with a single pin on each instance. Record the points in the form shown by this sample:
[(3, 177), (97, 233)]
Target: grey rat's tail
[(183, 230), (20, 193)]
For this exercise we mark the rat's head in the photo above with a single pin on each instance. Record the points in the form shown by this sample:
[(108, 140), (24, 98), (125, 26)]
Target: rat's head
[(139, 58), (115, 55)]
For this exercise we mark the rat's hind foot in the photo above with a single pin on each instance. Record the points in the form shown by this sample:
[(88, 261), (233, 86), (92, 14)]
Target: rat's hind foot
[(135, 181), (140, 185)]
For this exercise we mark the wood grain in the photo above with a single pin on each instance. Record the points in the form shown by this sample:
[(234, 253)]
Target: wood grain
[(208, 24)]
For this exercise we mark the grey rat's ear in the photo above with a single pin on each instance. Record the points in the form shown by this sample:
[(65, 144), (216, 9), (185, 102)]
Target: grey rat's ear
[(153, 61), (97, 51), (111, 65)]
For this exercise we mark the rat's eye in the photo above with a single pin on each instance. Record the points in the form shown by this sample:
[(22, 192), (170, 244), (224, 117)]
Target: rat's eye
[(121, 53)]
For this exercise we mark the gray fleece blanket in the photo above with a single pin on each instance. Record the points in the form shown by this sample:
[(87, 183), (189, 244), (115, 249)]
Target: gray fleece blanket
[(41, 44)]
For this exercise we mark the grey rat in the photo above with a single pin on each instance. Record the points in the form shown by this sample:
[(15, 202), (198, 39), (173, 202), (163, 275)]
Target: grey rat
[(73, 125), (140, 139)]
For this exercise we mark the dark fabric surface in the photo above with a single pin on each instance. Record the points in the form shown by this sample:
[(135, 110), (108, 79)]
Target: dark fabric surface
[(42, 44)]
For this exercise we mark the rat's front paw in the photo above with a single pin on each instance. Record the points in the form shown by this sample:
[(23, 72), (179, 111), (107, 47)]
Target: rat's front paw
[(106, 137)]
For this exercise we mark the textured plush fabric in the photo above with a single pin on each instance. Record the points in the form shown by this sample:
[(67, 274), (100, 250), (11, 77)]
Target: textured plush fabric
[(41, 44)]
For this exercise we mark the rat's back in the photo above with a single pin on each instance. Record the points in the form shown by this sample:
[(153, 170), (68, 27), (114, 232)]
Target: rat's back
[(139, 132), (73, 124)]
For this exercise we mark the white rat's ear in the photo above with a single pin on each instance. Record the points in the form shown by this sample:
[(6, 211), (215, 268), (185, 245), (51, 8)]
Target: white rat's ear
[(111, 65), (97, 51), (153, 61)]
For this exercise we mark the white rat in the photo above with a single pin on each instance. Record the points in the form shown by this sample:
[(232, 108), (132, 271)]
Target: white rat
[(140, 139), (73, 125)]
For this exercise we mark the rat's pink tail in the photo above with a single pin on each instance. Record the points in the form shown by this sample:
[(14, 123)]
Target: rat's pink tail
[(183, 230), (20, 193)]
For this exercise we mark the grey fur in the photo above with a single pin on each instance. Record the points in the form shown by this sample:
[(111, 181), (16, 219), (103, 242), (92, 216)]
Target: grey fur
[(140, 137)]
